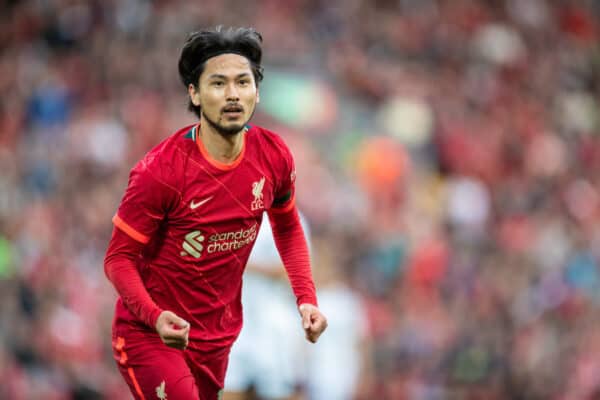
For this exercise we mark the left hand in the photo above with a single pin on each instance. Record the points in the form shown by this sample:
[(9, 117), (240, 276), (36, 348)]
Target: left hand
[(313, 321)]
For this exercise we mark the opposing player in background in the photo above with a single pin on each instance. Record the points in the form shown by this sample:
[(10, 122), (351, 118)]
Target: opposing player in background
[(267, 357), (338, 367), (187, 223), (269, 360)]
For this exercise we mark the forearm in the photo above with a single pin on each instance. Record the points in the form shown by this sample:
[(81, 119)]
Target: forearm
[(120, 268), (293, 249)]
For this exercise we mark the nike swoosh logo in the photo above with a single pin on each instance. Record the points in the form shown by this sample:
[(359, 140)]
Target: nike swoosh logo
[(193, 205)]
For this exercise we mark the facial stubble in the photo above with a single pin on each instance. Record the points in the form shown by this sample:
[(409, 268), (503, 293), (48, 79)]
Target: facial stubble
[(226, 131)]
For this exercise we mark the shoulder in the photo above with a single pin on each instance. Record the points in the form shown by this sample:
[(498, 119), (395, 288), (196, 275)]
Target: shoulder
[(269, 142), (165, 161)]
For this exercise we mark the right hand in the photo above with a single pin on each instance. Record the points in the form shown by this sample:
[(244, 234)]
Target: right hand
[(173, 330)]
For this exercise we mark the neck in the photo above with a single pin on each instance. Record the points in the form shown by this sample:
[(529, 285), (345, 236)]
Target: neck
[(223, 148)]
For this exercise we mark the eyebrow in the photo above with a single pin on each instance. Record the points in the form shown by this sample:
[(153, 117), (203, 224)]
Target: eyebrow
[(221, 76)]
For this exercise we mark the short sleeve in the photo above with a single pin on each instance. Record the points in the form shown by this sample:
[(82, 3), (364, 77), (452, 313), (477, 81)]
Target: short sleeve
[(145, 205), (284, 198)]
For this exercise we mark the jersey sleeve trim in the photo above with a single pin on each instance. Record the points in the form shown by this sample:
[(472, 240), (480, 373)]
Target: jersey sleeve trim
[(129, 230), (289, 206), (216, 163), (283, 199)]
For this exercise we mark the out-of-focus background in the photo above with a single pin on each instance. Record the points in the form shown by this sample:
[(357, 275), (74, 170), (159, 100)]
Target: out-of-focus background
[(448, 157)]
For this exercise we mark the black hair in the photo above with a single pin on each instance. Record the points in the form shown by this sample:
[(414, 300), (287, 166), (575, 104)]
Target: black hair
[(202, 45)]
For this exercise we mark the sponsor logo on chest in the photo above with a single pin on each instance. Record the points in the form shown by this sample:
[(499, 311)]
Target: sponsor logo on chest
[(196, 243)]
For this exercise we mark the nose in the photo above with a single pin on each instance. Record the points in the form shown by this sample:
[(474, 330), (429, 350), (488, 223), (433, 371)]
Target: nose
[(231, 94)]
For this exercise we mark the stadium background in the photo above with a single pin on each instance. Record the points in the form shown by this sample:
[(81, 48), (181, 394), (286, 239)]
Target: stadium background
[(448, 156)]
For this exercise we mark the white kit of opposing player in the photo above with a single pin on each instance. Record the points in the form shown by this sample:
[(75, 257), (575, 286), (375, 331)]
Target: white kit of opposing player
[(335, 362), (267, 355)]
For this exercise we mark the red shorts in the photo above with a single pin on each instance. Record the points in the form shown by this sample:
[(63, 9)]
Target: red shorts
[(155, 371)]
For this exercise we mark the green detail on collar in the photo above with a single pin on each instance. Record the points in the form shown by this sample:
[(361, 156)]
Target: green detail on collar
[(190, 134)]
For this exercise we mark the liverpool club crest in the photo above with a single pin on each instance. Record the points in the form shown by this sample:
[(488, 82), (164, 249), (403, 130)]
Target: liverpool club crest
[(257, 192)]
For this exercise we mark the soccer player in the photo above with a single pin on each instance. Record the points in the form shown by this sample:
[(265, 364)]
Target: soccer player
[(187, 223)]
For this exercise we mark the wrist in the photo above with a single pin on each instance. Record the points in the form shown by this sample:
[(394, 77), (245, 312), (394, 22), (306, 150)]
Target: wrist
[(153, 317), (307, 300)]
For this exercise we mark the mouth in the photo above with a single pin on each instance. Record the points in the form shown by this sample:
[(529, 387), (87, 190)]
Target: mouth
[(233, 111)]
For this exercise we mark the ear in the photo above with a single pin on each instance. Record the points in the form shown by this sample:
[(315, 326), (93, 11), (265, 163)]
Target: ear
[(194, 94), (257, 96)]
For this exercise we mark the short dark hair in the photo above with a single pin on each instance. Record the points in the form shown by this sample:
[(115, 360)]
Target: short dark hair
[(205, 44)]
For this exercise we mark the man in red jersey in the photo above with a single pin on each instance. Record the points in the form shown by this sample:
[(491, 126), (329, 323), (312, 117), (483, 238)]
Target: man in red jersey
[(188, 220)]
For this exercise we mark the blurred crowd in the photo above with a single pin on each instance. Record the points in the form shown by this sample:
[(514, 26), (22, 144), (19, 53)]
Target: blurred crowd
[(449, 171)]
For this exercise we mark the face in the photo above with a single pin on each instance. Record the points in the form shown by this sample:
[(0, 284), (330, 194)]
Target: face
[(226, 93)]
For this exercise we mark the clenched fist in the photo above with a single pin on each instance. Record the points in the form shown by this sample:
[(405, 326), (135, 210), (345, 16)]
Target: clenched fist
[(173, 330), (313, 321)]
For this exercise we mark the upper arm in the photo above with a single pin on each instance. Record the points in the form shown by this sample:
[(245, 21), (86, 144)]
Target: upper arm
[(146, 203), (285, 191)]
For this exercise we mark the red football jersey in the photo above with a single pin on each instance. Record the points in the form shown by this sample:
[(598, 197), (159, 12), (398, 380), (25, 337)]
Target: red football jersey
[(200, 219)]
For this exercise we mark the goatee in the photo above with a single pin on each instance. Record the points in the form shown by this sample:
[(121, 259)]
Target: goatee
[(222, 130)]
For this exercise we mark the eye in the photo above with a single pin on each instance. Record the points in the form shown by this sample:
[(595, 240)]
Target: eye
[(217, 83), (244, 82)]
